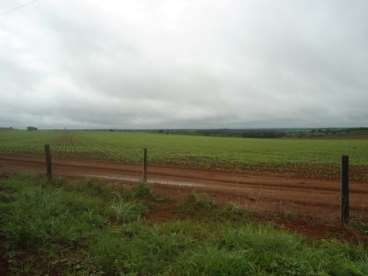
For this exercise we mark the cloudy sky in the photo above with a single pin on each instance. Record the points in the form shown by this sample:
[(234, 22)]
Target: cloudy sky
[(183, 63)]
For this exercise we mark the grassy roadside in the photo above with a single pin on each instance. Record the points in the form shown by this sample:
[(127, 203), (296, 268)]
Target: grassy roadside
[(89, 229)]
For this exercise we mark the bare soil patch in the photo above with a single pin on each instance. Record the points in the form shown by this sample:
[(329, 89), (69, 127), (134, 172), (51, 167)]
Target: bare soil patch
[(267, 194)]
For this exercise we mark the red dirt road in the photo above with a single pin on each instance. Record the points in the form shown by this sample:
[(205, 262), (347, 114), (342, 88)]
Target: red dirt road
[(265, 193)]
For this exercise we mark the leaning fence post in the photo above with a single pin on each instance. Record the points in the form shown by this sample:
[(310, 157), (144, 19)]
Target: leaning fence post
[(48, 162), (145, 165), (345, 209)]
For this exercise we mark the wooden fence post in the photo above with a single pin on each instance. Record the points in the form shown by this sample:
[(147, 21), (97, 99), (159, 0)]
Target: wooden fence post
[(48, 162), (345, 209), (145, 165)]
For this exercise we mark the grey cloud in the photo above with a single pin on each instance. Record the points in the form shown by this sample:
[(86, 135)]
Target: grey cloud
[(174, 64)]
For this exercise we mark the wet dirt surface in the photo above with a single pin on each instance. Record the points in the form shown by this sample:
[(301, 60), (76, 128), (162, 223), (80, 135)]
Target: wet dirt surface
[(317, 198)]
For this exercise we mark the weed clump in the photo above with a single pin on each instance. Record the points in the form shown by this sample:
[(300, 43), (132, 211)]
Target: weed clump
[(123, 211), (93, 188), (196, 203), (361, 225), (137, 249), (202, 206), (141, 191)]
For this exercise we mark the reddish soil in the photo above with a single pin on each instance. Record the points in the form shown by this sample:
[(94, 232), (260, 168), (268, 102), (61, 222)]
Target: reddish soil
[(323, 231), (306, 226), (266, 194), (162, 212)]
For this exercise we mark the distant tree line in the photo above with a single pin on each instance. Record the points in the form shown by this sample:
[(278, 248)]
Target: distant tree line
[(269, 133), (248, 133), (32, 128)]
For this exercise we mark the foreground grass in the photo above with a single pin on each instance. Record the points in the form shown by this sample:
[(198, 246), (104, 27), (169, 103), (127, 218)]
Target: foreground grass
[(89, 229)]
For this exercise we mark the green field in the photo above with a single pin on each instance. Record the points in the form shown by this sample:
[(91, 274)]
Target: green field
[(88, 228), (185, 149)]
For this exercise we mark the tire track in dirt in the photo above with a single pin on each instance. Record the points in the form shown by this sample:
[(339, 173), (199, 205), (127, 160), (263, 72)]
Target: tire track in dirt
[(203, 175), (321, 196)]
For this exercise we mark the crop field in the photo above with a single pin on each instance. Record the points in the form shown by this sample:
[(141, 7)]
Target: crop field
[(301, 173), (186, 150)]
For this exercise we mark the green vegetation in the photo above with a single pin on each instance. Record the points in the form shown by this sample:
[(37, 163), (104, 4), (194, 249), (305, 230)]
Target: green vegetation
[(362, 225), (273, 132), (86, 228), (187, 150)]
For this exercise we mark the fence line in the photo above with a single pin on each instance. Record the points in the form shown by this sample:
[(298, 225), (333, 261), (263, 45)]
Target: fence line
[(344, 180)]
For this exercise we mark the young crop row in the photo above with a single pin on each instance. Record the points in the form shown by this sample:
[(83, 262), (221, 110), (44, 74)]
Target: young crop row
[(187, 150)]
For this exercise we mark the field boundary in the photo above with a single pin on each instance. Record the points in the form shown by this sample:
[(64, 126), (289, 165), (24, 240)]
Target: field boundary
[(319, 198)]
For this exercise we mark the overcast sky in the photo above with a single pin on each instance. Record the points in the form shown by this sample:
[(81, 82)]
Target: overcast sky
[(184, 63)]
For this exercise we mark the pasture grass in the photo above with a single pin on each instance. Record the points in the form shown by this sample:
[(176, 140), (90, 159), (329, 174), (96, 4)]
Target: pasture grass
[(86, 228)]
